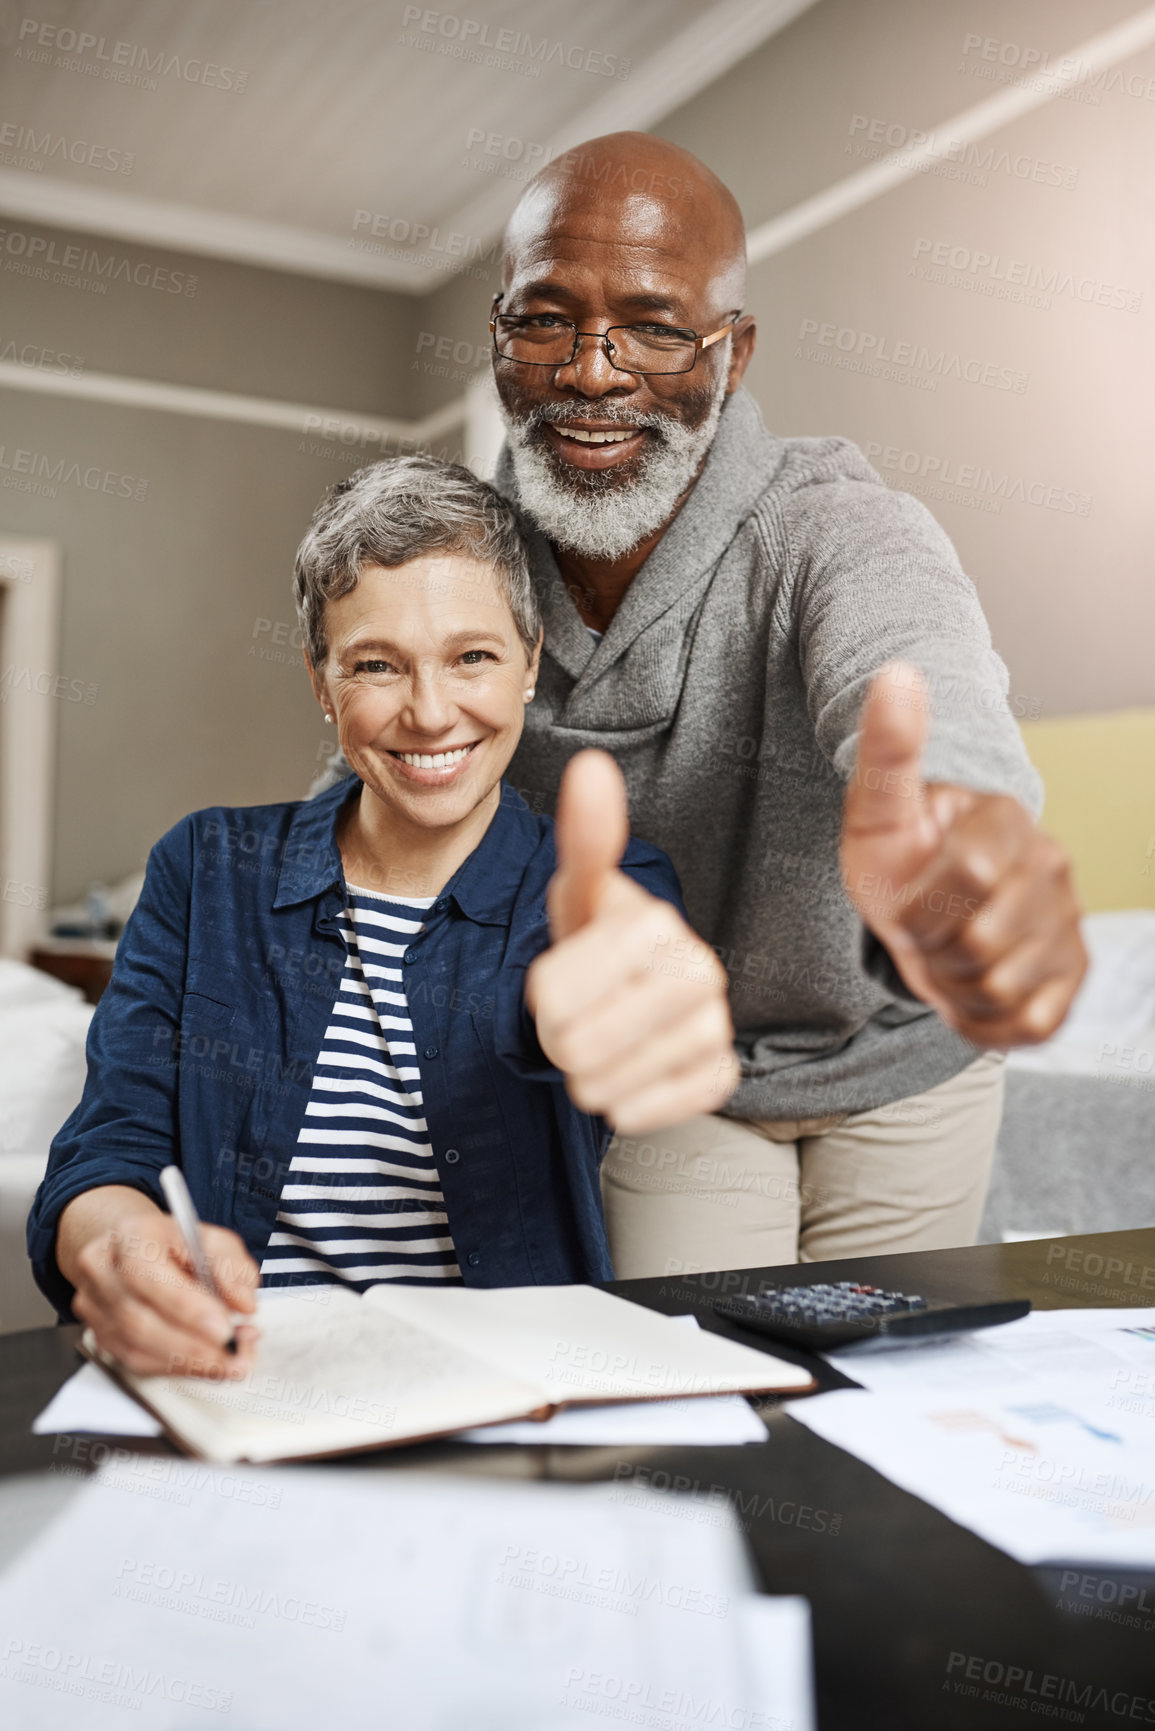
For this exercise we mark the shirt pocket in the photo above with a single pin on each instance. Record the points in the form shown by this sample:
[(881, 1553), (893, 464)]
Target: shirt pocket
[(209, 1002)]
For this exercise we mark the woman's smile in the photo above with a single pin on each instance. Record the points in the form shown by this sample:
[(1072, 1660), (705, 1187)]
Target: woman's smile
[(433, 768)]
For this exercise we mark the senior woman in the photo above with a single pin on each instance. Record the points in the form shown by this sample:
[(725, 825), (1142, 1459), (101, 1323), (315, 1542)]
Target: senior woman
[(318, 1009)]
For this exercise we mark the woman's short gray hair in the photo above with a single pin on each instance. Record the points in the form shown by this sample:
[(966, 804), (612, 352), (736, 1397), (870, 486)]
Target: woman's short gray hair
[(398, 510)]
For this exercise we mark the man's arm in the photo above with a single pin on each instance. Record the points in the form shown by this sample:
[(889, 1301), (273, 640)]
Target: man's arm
[(878, 581), (942, 796)]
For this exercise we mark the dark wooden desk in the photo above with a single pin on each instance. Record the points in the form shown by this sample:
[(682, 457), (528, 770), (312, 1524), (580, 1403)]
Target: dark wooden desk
[(898, 1591)]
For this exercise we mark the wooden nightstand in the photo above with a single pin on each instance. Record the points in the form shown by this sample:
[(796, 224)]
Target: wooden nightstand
[(83, 962)]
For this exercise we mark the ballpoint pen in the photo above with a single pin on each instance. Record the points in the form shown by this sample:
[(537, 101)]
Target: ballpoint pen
[(180, 1205)]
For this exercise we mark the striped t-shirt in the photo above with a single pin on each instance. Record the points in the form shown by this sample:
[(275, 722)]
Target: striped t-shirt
[(362, 1201)]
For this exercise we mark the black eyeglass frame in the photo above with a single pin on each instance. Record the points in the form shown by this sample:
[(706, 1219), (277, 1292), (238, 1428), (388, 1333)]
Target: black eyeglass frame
[(700, 343)]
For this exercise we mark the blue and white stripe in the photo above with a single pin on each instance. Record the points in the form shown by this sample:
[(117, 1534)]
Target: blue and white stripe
[(362, 1201)]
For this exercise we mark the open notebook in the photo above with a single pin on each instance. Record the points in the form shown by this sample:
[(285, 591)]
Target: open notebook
[(337, 1372)]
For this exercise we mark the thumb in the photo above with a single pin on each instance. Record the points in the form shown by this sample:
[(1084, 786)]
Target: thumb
[(591, 830), (885, 796)]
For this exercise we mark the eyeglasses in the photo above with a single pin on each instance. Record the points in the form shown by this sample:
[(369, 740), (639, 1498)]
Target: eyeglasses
[(547, 340)]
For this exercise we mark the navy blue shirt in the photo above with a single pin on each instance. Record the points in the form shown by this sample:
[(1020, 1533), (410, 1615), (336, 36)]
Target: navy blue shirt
[(202, 1048)]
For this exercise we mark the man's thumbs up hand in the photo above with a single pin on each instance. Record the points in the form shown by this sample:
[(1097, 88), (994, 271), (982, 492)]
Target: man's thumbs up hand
[(889, 827), (628, 1002), (974, 904)]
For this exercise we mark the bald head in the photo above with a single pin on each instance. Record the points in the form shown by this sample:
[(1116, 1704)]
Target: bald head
[(618, 335), (633, 193)]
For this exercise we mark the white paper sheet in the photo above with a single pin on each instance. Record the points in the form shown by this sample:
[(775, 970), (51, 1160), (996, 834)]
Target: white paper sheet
[(1108, 1349), (713, 1419), (91, 1401), (289, 1598), (776, 1634)]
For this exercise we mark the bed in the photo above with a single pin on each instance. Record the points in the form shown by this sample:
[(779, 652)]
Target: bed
[(1076, 1151)]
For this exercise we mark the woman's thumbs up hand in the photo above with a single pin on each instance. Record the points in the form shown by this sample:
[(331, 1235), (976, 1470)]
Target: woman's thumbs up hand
[(591, 830), (628, 1002)]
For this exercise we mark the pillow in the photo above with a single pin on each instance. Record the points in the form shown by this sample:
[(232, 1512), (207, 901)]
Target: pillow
[(21, 985), (43, 1029)]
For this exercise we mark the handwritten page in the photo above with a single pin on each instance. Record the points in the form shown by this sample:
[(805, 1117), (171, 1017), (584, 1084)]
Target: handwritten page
[(330, 1378)]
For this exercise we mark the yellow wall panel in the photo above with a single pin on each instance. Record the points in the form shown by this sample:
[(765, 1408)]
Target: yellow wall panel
[(1099, 772)]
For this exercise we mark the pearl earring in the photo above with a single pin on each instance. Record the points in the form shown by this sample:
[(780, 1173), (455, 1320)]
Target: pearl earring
[(530, 693), (328, 717)]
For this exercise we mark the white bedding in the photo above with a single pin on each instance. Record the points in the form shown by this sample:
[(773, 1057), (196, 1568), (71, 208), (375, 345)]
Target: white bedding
[(1110, 1031), (43, 1027)]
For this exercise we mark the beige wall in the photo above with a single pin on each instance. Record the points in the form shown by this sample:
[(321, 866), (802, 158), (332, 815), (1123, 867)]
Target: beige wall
[(164, 595), (255, 332), (1068, 595), (177, 617), (456, 315)]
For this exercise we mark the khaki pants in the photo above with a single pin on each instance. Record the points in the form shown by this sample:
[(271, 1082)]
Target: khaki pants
[(752, 1193)]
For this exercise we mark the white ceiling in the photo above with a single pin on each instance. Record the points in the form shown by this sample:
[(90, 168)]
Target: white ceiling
[(339, 113)]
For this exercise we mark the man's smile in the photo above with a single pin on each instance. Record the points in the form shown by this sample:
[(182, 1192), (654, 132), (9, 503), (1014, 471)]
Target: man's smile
[(587, 438), (593, 446)]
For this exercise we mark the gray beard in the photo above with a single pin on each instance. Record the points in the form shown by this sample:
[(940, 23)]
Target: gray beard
[(596, 514)]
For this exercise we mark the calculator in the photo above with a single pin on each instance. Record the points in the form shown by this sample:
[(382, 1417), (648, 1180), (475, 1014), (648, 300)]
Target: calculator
[(847, 1313)]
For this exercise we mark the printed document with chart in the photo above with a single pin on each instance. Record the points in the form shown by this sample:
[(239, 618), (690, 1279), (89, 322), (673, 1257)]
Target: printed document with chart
[(1038, 1435)]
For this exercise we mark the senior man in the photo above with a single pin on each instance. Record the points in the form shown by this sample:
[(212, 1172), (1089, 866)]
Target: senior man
[(795, 676)]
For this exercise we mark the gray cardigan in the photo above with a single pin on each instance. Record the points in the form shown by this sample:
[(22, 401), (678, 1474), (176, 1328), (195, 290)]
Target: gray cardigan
[(728, 687)]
